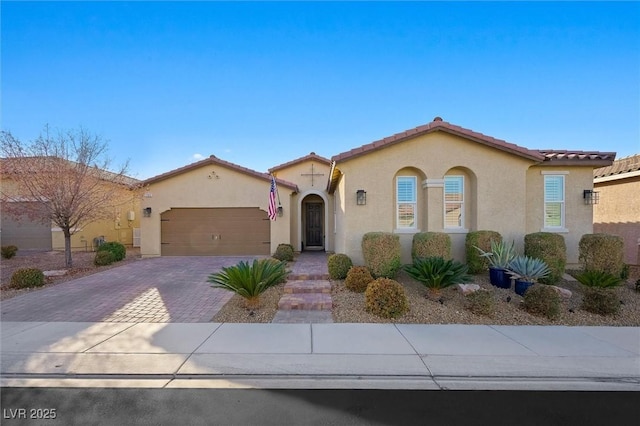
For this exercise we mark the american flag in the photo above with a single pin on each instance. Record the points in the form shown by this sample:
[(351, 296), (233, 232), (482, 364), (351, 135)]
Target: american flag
[(272, 199)]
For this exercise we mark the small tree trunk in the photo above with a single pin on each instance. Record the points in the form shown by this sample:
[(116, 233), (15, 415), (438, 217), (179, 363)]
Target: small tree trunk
[(67, 248)]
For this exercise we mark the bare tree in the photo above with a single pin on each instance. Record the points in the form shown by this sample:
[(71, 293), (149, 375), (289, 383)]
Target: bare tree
[(65, 175)]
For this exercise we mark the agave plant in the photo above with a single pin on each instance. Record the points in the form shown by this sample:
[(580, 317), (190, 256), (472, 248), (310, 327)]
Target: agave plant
[(525, 268), (250, 280), (501, 254), (435, 273), (600, 279)]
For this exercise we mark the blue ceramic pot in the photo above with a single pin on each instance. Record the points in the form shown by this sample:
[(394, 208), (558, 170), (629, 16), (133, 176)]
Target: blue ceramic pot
[(521, 287), (499, 277)]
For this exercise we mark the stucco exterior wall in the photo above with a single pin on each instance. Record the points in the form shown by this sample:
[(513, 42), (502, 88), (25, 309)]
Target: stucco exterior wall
[(578, 215), (498, 180), (194, 188), (618, 213)]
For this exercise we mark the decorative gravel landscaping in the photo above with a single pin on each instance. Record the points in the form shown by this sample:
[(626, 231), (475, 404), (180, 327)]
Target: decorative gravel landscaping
[(449, 308)]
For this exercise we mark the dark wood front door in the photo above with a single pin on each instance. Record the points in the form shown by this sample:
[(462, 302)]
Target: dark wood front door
[(314, 234)]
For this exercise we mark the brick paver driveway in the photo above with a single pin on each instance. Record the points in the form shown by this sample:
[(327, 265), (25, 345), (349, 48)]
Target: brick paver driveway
[(164, 289)]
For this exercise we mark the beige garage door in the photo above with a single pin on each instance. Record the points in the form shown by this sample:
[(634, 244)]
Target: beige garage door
[(215, 232), (26, 233)]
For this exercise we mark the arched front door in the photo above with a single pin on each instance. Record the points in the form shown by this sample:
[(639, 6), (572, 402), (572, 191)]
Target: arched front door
[(313, 222)]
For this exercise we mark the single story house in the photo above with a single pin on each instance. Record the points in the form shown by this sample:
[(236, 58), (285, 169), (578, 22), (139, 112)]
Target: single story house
[(436, 177), (618, 210)]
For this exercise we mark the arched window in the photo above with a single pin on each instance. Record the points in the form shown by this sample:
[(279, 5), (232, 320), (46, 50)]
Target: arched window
[(406, 202), (454, 208)]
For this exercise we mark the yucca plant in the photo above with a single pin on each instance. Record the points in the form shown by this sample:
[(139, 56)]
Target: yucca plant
[(501, 253), (249, 281), (601, 279), (435, 273), (530, 269)]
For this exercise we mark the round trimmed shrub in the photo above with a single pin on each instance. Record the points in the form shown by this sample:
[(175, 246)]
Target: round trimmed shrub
[(338, 265), (431, 244), (358, 278), (386, 298), (284, 252), (104, 258), (550, 248), (542, 300), (118, 249), (8, 251), (27, 277), (480, 302), (481, 239), (602, 252), (381, 252), (601, 301)]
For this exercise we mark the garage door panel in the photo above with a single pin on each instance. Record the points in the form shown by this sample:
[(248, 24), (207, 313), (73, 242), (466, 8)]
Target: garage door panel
[(215, 231), (26, 232)]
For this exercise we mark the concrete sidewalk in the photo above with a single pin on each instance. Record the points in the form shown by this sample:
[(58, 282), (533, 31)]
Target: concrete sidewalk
[(362, 356)]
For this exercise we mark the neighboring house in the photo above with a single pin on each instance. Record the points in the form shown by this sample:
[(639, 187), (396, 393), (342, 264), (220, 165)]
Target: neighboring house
[(618, 210), (39, 233), (437, 177)]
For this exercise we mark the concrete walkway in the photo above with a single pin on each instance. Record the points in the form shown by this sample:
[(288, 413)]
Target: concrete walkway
[(378, 356)]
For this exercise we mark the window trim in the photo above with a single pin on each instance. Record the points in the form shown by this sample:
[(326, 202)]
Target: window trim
[(562, 226), (399, 228), (462, 204)]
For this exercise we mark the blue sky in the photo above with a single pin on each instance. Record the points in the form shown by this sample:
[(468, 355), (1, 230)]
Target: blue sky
[(260, 84)]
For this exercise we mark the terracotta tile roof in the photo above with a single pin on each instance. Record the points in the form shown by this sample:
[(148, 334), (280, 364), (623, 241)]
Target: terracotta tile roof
[(213, 160), (551, 157), (438, 125), (563, 157), (620, 166), (312, 156)]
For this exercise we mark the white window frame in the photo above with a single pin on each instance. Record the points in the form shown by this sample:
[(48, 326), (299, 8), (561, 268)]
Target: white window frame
[(461, 203), (414, 203), (546, 226)]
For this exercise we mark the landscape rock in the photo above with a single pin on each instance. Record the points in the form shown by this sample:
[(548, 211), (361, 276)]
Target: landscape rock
[(468, 288), (57, 273), (563, 292)]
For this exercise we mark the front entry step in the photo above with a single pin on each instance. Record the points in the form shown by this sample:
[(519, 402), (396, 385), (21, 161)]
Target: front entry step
[(305, 301), (312, 286)]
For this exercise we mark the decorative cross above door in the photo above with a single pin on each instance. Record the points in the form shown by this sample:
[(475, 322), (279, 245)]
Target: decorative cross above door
[(312, 174)]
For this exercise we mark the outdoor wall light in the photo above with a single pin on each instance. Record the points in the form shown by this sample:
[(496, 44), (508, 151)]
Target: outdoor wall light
[(590, 196), (361, 197), (280, 211), (146, 212)]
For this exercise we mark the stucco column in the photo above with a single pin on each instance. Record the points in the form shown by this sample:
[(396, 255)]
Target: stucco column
[(434, 191)]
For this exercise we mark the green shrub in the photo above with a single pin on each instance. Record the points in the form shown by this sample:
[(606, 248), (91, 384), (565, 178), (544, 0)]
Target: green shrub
[(284, 252), (249, 281), (624, 274), (118, 250), (480, 302), (8, 251), (381, 252), (431, 244), (103, 258), (599, 279), (338, 265), (601, 301), (386, 298), (602, 252), (550, 248), (542, 300), (27, 277), (435, 273), (358, 278), (479, 240)]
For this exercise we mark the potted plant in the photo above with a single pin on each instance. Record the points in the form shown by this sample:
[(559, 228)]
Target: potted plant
[(499, 257), (526, 271)]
